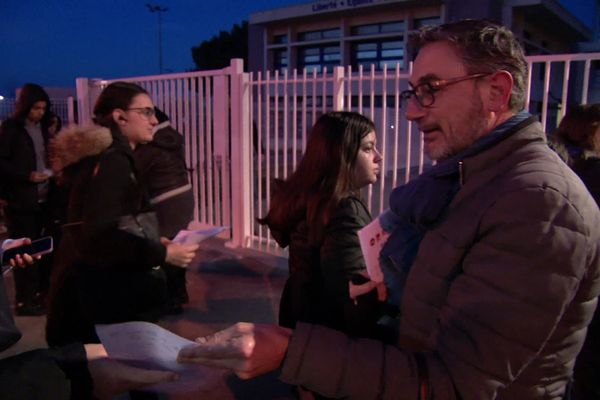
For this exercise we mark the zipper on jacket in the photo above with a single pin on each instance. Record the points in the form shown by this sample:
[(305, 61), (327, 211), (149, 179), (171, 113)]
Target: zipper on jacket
[(461, 176)]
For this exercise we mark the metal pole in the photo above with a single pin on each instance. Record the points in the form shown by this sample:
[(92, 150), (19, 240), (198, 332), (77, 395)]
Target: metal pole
[(157, 8), (160, 59)]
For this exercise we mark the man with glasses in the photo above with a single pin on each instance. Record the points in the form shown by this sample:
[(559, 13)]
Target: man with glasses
[(506, 268)]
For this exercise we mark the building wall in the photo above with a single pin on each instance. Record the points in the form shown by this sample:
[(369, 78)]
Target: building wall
[(264, 35), (541, 25)]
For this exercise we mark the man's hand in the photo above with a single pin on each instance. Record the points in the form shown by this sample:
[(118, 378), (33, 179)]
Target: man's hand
[(247, 349), (112, 377)]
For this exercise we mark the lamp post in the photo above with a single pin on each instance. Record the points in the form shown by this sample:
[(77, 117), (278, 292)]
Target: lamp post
[(157, 8)]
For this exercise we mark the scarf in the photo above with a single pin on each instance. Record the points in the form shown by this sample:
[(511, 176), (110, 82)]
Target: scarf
[(419, 206)]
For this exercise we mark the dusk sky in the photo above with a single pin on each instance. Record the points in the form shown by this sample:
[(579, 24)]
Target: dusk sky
[(52, 42)]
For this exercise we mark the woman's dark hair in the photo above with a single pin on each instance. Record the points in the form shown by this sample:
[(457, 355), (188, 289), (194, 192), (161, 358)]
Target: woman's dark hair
[(323, 177), (30, 94), (116, 95), (49, 119), (579, 127), (160, 115)]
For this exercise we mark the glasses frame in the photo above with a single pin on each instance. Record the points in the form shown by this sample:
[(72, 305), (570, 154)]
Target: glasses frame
[(147, 112), (435, 86)]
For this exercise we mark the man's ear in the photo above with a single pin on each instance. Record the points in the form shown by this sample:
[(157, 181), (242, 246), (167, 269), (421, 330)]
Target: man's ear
[(501, 84), (119, 116)]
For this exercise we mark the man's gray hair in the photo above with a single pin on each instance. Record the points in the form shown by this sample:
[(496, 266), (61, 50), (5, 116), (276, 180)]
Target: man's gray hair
[(484, 47)]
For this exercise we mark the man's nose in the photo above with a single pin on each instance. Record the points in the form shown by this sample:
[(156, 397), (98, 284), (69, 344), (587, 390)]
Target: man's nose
[(414, 110)]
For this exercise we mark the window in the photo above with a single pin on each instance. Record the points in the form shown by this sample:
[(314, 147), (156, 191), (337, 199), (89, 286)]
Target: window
[(318, 57), (380, 53), (280, 39), (373, 29), (280, 60), (319, 35), (421, 22)]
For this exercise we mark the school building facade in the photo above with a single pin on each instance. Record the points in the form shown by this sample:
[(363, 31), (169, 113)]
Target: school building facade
[(328, 33)]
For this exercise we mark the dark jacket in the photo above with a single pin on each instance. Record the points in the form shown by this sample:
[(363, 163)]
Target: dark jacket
[(17, 161), (161, 162), (498, 299), (34, 374), (317, 289), (162, 171), (586, 383), (103, 274)]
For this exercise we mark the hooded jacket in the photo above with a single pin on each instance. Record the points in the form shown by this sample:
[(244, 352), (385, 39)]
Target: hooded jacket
[(17, 161), (498, 299)]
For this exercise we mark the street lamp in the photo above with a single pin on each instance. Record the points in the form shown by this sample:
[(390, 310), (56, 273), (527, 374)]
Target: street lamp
[(157, 8)]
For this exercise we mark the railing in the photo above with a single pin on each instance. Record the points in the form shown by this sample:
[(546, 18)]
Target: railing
[(200, 106), (244, 130), (63, 107)]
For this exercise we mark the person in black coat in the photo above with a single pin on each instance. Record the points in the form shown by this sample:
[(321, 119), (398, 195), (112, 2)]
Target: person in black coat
[(164, 174), (108, 266), (24, 177), (578, 134), (317, 212)]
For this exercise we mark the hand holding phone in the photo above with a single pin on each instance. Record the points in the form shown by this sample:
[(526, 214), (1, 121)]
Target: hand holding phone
[(37, 247)]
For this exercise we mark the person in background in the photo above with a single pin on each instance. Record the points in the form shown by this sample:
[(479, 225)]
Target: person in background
[(23, 171), (163, 172), (56, 204), (108, 266), (505, 279), (74, 372), (579, 133), (317, 212)]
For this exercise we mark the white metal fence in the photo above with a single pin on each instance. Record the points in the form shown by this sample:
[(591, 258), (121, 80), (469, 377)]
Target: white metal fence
[(244, 130)]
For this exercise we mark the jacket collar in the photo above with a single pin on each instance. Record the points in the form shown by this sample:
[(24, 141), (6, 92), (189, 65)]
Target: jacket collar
[(527, 131)]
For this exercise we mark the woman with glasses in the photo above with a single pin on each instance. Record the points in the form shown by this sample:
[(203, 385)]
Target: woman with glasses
[(317, 212), (109, 262)]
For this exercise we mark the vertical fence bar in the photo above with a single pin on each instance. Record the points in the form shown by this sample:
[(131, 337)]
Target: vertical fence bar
[(565, 91), (586, 81), (295, 119), (241, 149), (285, 123), (384, 129), (396, 148), (548, 70)]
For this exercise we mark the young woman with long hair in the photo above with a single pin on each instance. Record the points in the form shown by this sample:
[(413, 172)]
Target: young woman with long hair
[(317, 212)]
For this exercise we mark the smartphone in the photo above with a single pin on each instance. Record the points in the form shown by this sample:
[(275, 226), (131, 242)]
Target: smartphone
[(37, 247)]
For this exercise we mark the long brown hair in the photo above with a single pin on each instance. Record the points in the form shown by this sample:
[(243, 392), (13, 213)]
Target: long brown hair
[(579, 127), (323, 178)]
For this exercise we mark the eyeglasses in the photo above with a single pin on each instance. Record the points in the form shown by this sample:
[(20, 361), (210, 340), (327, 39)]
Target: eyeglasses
[(147, 112), (424, 92)]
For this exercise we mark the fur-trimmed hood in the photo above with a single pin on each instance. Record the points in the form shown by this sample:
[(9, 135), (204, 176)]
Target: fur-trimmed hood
[(76, 142)]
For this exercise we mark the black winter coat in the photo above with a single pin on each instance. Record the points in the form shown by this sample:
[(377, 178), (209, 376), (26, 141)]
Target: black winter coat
[(587, 385), (317, 289), (104, 274), (161, 163)]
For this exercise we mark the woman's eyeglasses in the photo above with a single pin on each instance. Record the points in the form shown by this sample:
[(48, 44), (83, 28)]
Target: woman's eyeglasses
[(147, 112)]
